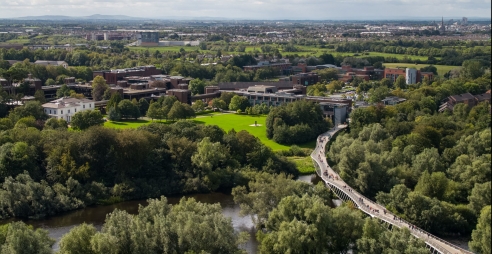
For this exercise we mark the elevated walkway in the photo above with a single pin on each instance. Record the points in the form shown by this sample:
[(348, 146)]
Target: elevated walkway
[(346, 193)]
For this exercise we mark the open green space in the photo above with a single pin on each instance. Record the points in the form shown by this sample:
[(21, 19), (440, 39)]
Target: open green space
[(225, 121), (246, 122), (441, 69), (304, 164), (165, 48)]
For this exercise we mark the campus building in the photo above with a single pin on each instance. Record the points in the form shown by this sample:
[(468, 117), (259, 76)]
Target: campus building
[(411, 75), (113, 76), (466, 98), (65, 108)]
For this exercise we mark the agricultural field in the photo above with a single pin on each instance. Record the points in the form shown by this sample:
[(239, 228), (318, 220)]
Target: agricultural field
[(441, 69)]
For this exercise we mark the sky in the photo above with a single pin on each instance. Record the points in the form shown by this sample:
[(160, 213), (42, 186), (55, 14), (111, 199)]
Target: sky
[(252, 9)]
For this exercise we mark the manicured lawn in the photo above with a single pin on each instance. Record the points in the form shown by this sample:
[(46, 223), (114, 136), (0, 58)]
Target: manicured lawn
[(243, 122), (304, 165), (225, 121), (441, 69)]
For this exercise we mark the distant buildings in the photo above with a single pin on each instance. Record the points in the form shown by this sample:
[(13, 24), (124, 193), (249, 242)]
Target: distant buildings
[(466, 98), (52, 63), (148, 38), (411, 75), (65, 108)]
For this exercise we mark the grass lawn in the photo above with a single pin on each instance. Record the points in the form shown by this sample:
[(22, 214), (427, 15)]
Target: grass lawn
[(225, 121), (243, 122), (124, 124), (441, 69), (304, 165)]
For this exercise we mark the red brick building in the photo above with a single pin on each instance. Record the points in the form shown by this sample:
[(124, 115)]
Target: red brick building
[(113, 76)]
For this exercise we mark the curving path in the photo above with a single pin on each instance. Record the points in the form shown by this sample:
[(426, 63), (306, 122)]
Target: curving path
[(345, 192)]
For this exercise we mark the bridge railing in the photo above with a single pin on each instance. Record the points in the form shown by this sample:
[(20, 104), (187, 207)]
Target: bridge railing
[(431, 240)]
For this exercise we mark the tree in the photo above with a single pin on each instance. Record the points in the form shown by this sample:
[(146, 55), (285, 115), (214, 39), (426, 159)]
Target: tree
[(239, 103), (218, 104), (197, 86), (155, 111), (114, 100), (30, 108), (39, 95), (143, 106), (226, 97), (481, 236), (50, 82), (63, 91), (328, 74), (378, 94), (127, 109), (400, 82), (480, 197), (198, 106), (99, 86), (472, 69), (54, 123), (20, 238), (114, 114), (87, 118), (78, 240)]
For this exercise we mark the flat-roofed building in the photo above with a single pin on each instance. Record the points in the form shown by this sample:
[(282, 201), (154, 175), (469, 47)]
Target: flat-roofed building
[(262, 89), (64, 108)]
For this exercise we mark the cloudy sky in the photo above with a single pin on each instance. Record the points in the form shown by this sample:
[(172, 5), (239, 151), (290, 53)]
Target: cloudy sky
[(251, 9)]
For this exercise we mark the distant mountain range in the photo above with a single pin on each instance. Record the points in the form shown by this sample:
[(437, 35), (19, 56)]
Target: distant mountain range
[(124, 17)]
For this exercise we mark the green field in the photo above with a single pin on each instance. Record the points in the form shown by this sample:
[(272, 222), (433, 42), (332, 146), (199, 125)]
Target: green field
[(304, 164), (441, 69), (243, 122), (225, 122), (165, 48)]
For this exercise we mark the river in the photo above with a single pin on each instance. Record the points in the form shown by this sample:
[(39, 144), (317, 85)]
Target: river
[(59, 225)]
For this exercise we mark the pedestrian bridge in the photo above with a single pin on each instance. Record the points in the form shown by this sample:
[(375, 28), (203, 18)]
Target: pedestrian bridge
[(346, 193)]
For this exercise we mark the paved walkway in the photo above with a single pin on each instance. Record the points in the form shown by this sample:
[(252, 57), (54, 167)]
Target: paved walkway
[(344, 191)]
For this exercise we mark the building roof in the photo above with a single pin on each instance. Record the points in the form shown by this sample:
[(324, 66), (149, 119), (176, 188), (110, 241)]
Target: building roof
[(462, 97), (55, 63), (65, 102), (483, 97)]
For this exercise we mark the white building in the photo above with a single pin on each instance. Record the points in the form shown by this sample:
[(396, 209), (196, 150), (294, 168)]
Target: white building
[(65, 108)]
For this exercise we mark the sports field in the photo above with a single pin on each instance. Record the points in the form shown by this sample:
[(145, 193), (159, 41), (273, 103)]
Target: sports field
[(441, 69)]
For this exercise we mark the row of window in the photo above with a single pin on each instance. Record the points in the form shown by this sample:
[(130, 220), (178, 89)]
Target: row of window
[(68, 111)]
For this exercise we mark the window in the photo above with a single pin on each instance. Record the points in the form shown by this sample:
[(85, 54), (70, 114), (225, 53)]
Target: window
[(90, 105), (61, 112), (84, 106), (69, 111), (75, 110), (54, 112), (50, 111)]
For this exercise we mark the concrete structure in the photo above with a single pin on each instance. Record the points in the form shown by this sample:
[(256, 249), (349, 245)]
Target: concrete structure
[(52, 63), (392, 100), (411, 76), (305, 79), (65, 108), (262, 89), (148, 38), (184, 96), (337, 112)]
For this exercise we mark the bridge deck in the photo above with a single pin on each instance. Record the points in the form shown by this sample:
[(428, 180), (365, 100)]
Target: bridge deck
[(345, 192)]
